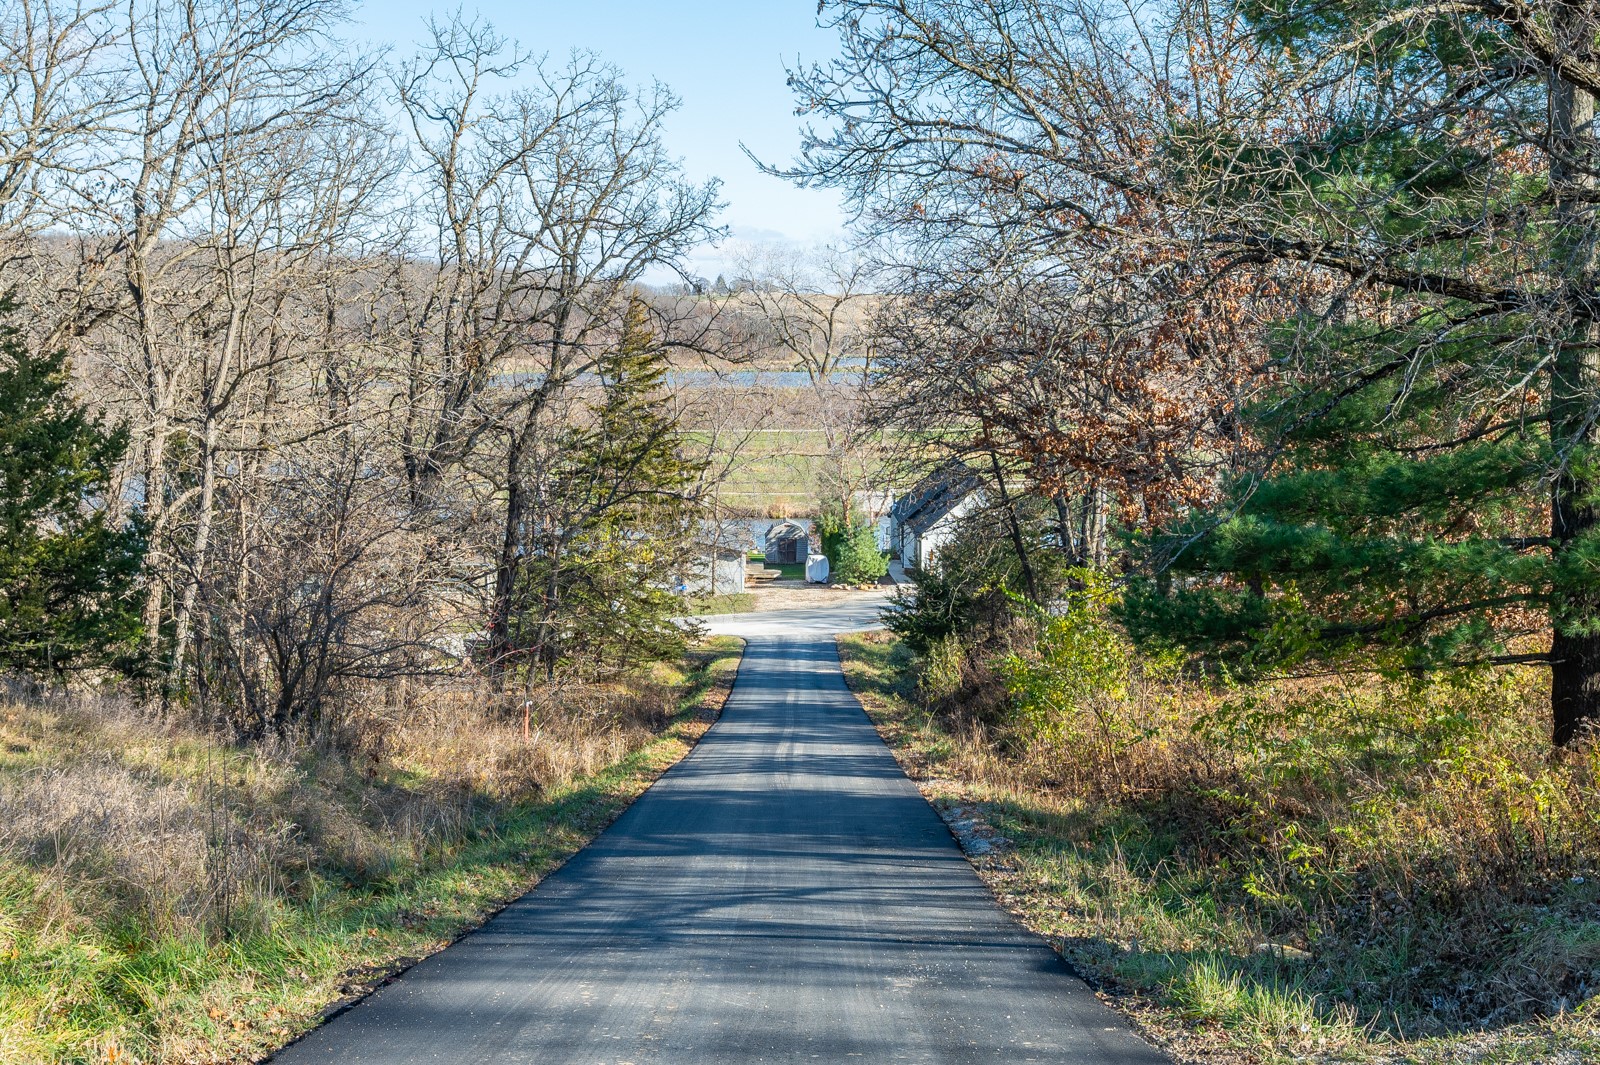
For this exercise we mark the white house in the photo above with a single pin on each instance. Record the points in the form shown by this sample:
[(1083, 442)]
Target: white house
[(924, 520)]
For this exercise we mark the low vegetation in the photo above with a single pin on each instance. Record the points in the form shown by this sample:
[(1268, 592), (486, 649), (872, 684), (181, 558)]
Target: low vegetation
[(728, 603), (171, 897), (789, 571), (851, 544), (1316, 870)]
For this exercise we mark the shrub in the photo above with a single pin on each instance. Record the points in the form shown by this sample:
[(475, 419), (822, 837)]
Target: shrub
[(971, 587), (1066, 684), (1297, 859), (851, 547), (855, 558), (965, 591), (943, 669)]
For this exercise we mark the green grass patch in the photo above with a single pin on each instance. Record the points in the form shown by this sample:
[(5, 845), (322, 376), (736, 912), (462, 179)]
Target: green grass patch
[(793, 571), (1290, 923), (86, 976)]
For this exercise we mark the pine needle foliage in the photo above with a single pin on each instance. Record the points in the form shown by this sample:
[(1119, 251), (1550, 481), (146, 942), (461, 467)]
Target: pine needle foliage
[(1365, 544), (615, 521), (1425, 492), (68, 571)]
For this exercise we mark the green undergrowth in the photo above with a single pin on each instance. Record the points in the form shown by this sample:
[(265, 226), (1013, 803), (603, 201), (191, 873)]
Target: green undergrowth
[(1393, 878), (790, 571), (356, 868)]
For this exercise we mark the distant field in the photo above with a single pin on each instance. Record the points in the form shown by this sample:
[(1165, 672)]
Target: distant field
[(776, 471), (779, 470)]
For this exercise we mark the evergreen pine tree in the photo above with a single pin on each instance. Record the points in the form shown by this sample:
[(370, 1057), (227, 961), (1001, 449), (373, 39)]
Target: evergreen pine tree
[(855, 558), (619, 516), (1362, 546), (67, 573), (1431, 495)]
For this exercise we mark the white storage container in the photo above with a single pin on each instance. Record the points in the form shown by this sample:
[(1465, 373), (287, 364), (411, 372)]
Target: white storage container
[(817, 569)]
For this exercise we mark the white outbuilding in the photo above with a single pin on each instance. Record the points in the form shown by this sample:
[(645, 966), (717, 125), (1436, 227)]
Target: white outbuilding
[(924, 520)]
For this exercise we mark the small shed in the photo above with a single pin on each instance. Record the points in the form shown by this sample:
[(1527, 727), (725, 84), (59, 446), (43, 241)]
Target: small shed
[(788, 542)]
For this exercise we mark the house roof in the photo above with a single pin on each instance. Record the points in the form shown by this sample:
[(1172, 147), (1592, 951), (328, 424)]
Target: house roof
[(787, 527), (936, 495)]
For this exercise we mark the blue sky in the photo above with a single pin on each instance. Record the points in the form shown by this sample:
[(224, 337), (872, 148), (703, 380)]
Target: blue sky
[(724, 58)]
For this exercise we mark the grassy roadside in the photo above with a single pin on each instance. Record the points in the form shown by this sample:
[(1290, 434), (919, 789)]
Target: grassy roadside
[(1159, 932), (99, 964), (727, 603)]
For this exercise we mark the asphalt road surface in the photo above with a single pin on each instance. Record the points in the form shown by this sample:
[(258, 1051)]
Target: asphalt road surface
[(784, 894), (836, 613)]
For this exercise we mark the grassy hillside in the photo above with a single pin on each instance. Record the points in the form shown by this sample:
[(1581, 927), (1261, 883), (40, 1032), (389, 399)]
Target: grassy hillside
[(776, 472), (166, 897), (1313, 872)]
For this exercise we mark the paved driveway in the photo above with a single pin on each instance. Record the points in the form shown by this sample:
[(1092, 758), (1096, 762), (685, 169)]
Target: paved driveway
[(783, 895), (853, 614)]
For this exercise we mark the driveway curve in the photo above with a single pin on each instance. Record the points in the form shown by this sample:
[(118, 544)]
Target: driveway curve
[(784, 894)]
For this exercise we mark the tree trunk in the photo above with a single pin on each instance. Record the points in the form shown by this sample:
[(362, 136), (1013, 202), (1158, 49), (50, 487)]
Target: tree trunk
[(1574, 684), (200, 551), (512, 537), (1068, 541), (1092, 536), (155, 499), (1575, 393), (214, 397), (505, 574), (158, 413), (1029, 582)]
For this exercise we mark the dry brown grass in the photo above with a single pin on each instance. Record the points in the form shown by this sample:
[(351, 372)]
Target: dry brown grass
[(511, 745), (1294, 871), (173, 829), (170, 895)]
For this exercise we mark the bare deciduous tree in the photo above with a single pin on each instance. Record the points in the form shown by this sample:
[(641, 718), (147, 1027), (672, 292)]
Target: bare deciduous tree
[(330, 338)]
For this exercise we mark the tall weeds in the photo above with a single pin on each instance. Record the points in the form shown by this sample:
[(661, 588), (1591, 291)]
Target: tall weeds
[(170, 830), (1396, 858)]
